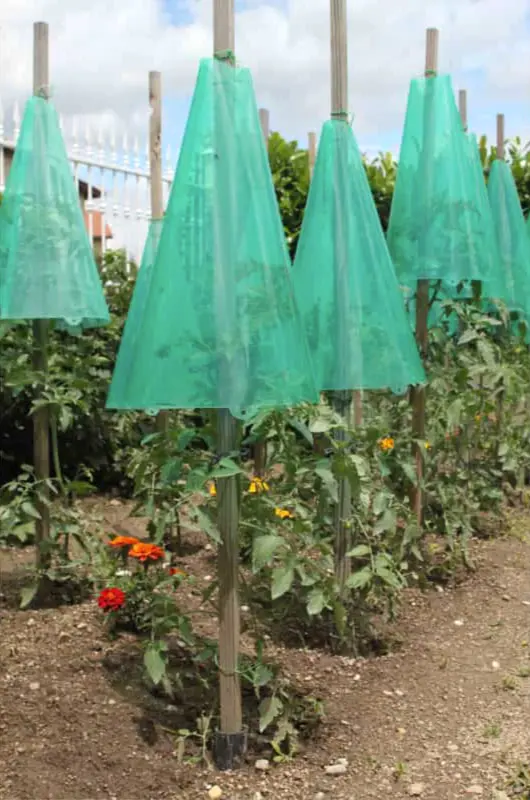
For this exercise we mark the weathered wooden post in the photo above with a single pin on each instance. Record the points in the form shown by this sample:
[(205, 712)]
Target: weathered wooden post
[(230, 739), (422, 312), (41, 327), (155, 168)]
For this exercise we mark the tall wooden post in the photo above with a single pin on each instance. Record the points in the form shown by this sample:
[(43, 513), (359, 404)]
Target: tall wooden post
[(155, 169), (41, 418), (342, 400), (230, 739), (500, 137), (311, 151), (462, 107), (422, 312)]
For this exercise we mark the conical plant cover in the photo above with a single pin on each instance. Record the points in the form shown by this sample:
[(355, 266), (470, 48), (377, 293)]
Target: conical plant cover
[(47, 267), (464, 291), (437, 229), (219, 326), (136, 311), (345, 284), (512, 238)]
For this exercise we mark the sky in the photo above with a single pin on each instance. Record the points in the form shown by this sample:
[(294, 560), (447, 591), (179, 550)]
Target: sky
[(102, 50)]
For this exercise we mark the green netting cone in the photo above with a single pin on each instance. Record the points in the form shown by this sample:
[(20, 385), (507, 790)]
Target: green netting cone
[(512, 238), (437, 229), (47, 268), (136, 312), (345, 284), (219, 326)]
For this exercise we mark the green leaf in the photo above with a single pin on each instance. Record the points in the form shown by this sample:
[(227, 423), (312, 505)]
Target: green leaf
[(329, 481), (380, 503), (468, 336), (27, 594), (302, 429), (316, 602), (208, 526), (387, 523), (269, 709), (360, 579), (282, 580), (225, 469), (30, 510), (320, 425), (155, 663), (171, 471), (360, 551), (196, 480), (388, 577), (263, 549), (503, 449)]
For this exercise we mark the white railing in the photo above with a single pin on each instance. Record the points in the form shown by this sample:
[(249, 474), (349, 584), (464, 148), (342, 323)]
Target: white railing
[(113, 180)]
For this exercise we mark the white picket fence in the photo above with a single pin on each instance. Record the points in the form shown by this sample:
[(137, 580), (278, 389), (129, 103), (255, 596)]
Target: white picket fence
[(112, 176)]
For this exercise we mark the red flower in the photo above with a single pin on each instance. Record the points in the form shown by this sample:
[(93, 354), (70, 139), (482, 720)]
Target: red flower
[(111, 599)]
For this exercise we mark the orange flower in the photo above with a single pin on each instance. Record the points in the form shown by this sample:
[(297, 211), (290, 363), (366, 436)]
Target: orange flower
[(123, 541), (212, 489), (146, 552), (386, 444), (177, 571), (283, 513)]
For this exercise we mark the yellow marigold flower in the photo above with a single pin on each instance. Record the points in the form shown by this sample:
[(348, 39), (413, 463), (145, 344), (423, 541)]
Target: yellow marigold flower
[(428, 445), (386, 444), (283, 513), (212, 489), (258, 485)]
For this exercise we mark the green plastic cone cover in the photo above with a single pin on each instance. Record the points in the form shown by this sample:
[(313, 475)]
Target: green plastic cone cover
[(219, 327), (345, 285), (437, 229), (512, 238), (136, 310), (47, 267)]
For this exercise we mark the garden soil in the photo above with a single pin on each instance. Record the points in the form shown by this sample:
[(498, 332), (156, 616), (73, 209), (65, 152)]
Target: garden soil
[(443, 715)]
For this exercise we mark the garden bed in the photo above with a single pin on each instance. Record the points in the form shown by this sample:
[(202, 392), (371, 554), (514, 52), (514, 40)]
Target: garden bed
[(444, 712)]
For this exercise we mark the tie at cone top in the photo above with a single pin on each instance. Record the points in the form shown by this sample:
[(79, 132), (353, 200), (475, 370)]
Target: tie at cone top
[(439, 229), (47, 268), (346, 288), (219, 327), (512, 238)]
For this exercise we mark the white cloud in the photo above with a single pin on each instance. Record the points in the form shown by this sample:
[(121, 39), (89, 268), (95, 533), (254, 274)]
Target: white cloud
[(101, 51)]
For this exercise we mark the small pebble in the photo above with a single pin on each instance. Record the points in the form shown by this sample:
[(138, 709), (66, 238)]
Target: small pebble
[(459, 622), (495, 665), (416, 789), (475, 789), (262, 764), (215, 793), (35, 686), (335, 769)]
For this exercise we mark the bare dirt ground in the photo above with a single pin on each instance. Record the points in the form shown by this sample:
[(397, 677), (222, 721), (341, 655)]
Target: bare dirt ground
[(443, 716)]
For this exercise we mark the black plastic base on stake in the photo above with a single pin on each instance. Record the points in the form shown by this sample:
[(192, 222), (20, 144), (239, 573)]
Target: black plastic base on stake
[(229, 750)]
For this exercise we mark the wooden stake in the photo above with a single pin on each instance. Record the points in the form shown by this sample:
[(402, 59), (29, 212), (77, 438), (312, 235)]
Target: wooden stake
[(462, 107), (230, 740), (422, 312), (342, 401), (155, 168), (500, 137), (260, 447), (311, 152), (41, 418)]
